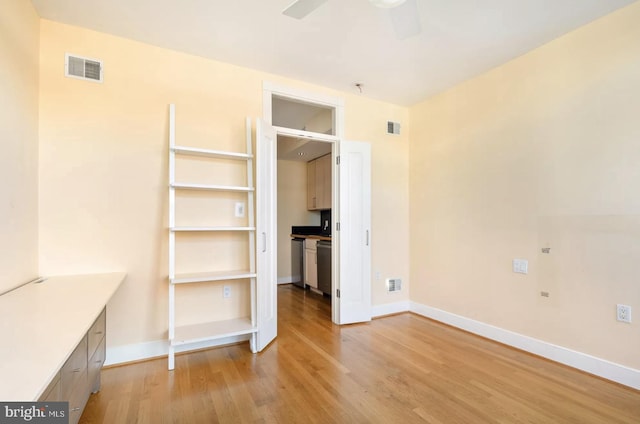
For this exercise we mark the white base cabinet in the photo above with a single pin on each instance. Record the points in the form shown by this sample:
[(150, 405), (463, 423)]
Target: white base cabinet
[(311, 263)]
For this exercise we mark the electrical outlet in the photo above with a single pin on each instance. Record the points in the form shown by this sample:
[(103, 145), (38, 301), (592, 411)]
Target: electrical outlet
[(239, 210), (623, 313), (226, 292), (376, 275), (521, 266)]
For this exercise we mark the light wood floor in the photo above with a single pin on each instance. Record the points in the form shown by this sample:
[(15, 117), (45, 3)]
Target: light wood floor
[(397, 369)]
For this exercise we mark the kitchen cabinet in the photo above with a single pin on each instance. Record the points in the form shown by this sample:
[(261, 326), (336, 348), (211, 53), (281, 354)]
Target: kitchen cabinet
[(311, 263), (319, 183)]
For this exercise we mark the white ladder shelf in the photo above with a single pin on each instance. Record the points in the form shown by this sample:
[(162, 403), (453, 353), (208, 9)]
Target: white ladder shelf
[(209, 331)]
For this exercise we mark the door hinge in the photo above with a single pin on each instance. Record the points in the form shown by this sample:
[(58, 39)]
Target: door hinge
[(338, 160), (337, 226), (338, 292)]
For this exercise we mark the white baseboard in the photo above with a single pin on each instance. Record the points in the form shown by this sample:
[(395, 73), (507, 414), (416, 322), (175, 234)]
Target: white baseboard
[(159, 348), (285, 280), (141, 351), (591, 364), (390, 308), (582, 361)]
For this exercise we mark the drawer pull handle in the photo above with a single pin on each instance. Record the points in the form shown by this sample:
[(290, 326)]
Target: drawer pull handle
[(98, 332), (77, 369), (99, 361), (75, 409)]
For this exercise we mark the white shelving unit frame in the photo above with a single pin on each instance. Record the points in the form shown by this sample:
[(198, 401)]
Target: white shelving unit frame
[(210, 331)]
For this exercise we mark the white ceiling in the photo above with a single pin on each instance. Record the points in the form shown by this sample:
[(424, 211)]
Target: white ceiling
[(343, 41)]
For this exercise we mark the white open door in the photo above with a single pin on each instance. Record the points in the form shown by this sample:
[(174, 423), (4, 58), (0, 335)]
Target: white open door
[(353, 301), (266, 214)]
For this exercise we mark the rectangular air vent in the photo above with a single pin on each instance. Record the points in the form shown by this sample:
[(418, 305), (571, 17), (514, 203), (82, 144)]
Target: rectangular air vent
[(83, 68), (394, 284), (393, 127)]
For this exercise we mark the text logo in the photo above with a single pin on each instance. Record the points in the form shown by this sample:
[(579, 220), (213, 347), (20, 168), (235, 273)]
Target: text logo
[(34, 412)]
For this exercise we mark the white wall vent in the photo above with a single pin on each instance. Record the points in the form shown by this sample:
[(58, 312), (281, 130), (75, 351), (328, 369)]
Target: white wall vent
[(393, 127), (82, 68), (394, 284)]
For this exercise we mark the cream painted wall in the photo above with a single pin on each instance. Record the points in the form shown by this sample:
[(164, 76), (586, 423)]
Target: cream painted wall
[(19, 51), (390, 191), (540, 152), (292, 210), (103, 161)]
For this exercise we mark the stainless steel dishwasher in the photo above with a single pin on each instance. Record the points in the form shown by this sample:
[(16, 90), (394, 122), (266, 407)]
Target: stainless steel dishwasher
[(324, 267)]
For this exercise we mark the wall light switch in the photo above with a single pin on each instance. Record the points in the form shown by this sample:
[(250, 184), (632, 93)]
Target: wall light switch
[(239, 210), (521, 266)]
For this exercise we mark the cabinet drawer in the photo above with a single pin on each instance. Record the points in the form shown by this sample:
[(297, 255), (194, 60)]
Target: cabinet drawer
[(97, 332), (95, 365), (78, 399), (311, 244), (73, 372)]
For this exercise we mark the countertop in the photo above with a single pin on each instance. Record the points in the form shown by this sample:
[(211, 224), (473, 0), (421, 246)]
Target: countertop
[(40, 326), (313, 236)]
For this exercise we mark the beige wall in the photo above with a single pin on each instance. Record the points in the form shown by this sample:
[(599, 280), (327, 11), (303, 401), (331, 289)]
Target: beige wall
[(390, 191), (540, 152), (19, 50), (103, 150)]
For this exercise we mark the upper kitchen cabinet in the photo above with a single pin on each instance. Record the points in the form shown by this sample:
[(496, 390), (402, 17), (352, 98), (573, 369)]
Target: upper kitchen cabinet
[(319, 183)]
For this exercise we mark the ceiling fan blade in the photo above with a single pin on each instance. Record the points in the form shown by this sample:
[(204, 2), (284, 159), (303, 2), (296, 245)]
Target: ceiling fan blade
[(406, 19), (301, 8)]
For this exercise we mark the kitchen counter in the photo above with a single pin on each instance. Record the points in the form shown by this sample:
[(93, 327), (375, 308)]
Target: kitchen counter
[(313, 236), (40, 326)]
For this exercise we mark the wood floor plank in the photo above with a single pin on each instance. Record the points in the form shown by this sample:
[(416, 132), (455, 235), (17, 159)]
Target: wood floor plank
[(397, 369)]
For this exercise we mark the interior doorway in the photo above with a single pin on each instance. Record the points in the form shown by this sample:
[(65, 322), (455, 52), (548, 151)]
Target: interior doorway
[(308, 128), (350, 204), (304, 201)]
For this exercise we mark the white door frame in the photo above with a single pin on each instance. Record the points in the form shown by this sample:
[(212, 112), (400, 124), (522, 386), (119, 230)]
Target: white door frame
[(337, 104)]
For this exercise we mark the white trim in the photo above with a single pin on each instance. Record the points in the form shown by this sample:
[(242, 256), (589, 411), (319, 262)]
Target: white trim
[(305, 95), (390, 308), (285, 280), (582, 361), (306, 134), (591, 364), (337, 103), (160, 348)]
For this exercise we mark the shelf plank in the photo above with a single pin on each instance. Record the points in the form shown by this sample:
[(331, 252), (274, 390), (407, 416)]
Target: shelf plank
[(211, 187), (183, 229), (212, 330), (200, 277), (193, 151)]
